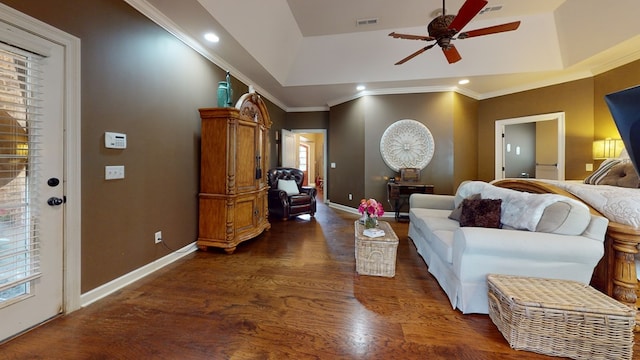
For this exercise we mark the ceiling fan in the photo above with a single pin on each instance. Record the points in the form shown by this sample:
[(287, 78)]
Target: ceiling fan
[(443, 28)]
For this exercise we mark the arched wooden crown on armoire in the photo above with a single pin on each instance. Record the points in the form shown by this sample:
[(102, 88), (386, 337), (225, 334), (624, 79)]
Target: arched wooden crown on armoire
[(233, 184)]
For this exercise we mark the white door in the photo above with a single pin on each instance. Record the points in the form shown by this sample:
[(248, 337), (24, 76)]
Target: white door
[(289, 149), (31, 170)]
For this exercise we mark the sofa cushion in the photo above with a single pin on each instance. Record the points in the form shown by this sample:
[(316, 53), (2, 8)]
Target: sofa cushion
[(442, 245), (428, 221), (300, 199), (481, 213)]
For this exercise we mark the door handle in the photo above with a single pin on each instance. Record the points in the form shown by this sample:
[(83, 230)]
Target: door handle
[(55, 201)]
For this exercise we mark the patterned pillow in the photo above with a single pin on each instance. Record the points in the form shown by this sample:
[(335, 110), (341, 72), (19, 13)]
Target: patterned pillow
[(622, 175), (481, 213), (602, 171)]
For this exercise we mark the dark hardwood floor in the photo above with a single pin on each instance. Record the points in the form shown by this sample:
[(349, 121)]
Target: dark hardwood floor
[(291, 293)]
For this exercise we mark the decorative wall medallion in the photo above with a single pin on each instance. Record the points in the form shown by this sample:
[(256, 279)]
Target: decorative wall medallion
[(407, 144)]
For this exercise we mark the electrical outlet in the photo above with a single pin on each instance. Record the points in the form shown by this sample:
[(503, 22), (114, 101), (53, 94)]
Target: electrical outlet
[(158, 237), (350, 196)]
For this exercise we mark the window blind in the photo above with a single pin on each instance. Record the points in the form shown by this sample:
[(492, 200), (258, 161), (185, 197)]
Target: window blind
[(20, 131)]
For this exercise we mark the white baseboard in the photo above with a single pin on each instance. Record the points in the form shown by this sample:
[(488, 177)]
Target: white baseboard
[(114, 285), (344, 208)]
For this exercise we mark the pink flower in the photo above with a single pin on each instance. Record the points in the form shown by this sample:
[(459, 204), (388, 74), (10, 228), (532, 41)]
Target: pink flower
[(372, 207)]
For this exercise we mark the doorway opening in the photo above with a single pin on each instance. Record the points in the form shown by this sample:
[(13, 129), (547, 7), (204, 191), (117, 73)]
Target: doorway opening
[(314, 143), (530, 146)]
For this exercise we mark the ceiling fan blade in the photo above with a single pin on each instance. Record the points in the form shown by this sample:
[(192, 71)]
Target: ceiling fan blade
[(490, 30), (395, 35), (452, 54), (414, 54), (468, 10)]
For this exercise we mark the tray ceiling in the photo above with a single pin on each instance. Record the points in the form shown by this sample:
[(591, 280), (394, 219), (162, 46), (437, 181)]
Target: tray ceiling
[(308, 55)]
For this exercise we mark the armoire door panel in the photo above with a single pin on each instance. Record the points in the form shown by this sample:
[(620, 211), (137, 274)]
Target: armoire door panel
[(213, 212), (215, 145), (246, 151)]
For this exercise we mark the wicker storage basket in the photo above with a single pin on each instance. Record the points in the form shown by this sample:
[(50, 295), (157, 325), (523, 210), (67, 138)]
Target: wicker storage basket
[(560, 318), (376, 256)]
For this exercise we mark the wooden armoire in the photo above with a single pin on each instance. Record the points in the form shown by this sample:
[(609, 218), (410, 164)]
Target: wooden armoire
[(233, 184)]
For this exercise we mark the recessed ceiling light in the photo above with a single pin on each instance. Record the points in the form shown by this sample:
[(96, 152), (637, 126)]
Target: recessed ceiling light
[(211, 37), (360, 87), (463, 81)]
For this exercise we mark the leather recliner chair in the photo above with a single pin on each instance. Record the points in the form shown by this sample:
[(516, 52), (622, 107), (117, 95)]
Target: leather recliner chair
[(289, 198)]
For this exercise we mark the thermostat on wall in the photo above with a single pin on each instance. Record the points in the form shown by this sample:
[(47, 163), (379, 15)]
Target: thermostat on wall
[(114, 140)]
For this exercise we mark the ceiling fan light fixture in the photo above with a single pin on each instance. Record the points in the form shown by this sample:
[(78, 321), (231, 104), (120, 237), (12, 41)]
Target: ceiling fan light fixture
[(444, 28)]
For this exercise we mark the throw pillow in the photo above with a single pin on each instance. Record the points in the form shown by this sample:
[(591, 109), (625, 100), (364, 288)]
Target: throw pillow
[(622, 175), (481, 213), (455, 214), (602, 171), (289, 186)]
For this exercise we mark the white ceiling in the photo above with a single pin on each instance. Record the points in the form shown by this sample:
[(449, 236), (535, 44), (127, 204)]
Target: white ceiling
[(308, 55)]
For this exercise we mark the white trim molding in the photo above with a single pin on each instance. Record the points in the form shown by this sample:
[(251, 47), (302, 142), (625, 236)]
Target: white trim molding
[(116, 284)]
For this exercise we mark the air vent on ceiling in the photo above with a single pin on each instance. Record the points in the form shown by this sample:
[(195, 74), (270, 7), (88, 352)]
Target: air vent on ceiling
[(490, 9), (363, 22)]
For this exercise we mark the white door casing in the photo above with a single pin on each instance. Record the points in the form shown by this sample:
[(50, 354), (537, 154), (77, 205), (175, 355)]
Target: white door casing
[(58, 290), (500, 145)]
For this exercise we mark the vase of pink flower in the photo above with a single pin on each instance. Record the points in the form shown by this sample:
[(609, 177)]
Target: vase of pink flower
[(370, 210)]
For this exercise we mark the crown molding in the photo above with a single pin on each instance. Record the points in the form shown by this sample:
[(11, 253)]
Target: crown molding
[(148, 10), (174, 29)]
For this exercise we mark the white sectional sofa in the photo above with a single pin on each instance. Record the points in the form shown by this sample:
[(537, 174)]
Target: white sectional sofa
[(541, 235)]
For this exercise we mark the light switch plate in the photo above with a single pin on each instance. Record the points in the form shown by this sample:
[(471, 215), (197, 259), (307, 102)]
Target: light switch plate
[(114, 172)]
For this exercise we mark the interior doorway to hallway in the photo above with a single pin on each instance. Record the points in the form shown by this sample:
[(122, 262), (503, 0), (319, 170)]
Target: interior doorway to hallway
[(315, 144)]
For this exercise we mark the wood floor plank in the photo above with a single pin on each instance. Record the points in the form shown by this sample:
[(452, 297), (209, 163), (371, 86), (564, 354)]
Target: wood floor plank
[(291, 293)]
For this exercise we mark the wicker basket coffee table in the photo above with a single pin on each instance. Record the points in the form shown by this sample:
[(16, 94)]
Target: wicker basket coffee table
[(376, 256), (560, 318)]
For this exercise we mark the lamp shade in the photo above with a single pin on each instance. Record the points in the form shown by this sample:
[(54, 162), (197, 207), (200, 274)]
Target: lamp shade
[(607, 148), (625, 109)]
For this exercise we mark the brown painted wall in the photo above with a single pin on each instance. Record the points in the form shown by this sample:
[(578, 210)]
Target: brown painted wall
[(278, 117), (615, 80), (344, 141), (465, 141), (574, 98), (140, 80), (307, 120), (361, 170)]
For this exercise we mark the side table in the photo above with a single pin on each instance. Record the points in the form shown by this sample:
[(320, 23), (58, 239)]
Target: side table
[(376, 256), (398, 194)]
